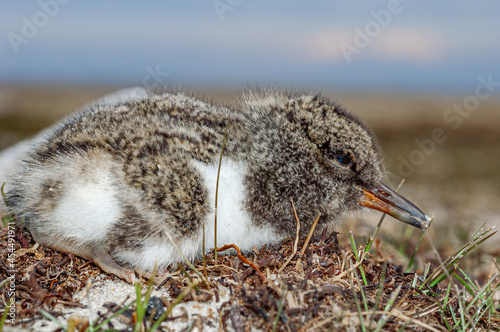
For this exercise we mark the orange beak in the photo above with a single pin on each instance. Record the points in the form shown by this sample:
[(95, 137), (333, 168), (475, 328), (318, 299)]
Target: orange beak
[(382, 198)]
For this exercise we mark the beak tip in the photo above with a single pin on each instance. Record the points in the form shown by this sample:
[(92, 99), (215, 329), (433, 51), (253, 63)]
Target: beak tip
[(424, 223)]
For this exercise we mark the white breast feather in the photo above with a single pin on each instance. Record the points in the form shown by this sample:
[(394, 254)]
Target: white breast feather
[(234, 225)]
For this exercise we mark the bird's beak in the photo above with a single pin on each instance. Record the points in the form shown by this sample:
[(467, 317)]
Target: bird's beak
[(382, 198)]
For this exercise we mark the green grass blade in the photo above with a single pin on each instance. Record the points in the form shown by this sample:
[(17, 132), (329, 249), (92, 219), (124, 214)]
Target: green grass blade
[(442, 276), (4, 316), (380, 289), (450, 308), (414, 281), (464, 283), (139, 307), (355, 295), (8, 218), (451, 261), (480, 294), (4, 196), (469, 280), (280, 309), (461, 307), (178, 300), (190, 327), (53, 319), (204, 254), (356, 255), (184, 257), (412, 257), (217, 185), (98, 327), (390, 302), (187, 275), (361, 290), (477, 234)]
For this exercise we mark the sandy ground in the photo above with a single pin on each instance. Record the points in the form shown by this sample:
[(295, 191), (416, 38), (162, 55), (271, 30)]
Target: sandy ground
[(105, 290)]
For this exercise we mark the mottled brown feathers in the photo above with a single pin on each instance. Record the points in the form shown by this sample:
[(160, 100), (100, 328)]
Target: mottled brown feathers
[(129, 169)]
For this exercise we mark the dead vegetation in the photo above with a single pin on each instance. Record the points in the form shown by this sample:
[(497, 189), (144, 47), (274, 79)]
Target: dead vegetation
[(321, 287)]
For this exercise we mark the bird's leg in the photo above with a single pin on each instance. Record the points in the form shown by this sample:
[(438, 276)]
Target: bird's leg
[(104, 260), (243, 258), (158, 278)]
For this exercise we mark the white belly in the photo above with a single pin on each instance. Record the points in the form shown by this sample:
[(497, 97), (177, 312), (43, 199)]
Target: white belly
[(234, 224)]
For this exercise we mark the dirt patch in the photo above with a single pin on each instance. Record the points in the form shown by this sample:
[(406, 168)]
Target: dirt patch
[(319, 290)]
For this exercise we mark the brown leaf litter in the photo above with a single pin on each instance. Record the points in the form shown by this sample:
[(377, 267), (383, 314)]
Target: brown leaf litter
[(319, 288)]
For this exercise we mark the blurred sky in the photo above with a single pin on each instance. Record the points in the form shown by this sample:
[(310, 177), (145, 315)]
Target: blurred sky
[(430, 46)]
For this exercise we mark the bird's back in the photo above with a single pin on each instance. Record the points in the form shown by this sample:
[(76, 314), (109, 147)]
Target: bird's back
[(120, 174)]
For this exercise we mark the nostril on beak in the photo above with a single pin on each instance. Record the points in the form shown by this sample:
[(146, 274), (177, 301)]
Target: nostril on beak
[(384, 193), (382, 198)]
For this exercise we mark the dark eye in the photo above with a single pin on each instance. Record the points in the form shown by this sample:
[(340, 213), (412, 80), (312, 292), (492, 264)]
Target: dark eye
[(344, 158)]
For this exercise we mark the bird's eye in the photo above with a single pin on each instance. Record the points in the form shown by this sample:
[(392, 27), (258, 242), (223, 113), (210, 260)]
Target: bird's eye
[(345, 158)]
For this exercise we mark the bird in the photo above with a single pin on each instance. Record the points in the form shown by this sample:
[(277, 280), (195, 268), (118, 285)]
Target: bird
[(129, 181)]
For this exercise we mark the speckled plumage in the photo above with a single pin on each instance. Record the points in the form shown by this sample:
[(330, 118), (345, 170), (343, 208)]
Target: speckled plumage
[(292, 136), (109, 182)]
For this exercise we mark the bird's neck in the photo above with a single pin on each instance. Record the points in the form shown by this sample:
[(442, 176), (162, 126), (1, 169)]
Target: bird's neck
[(280, 170)]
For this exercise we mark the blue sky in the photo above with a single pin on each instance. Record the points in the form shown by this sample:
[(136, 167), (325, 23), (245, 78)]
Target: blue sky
[(407, 45)]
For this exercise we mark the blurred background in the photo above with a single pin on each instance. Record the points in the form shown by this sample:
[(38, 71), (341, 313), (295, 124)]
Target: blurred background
[(425, 75)]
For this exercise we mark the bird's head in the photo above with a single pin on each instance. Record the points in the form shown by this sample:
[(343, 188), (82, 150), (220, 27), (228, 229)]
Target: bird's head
[(336, 146)]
